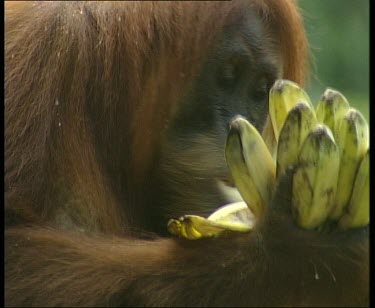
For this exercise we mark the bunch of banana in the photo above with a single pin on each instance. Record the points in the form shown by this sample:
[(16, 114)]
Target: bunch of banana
[(329, 148)]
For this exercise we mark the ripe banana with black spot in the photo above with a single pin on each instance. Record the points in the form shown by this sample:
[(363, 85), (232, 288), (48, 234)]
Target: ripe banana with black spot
[(284, 95), (314, 182), (331, 108), (298, 124), (251, 165), (353, 142), (357, 213)]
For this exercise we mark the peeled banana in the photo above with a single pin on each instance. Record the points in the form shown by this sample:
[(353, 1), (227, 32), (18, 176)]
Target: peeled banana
[(314, 182), (233, 217), (353, 141)]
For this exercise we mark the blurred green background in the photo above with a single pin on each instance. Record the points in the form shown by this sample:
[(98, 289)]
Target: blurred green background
[(338, 32)]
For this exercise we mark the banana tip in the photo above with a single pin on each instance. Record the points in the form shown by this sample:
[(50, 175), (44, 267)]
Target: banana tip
[(279, 85), (236, 123)]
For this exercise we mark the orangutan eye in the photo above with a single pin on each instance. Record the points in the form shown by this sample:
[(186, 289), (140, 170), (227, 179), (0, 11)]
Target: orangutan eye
[(228, 74), (260, 90), (261, 93)]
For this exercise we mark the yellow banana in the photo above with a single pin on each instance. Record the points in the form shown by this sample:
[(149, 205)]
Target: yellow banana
[(184, 228), (357, 212), (353, 141), (232, 217), (298, 124), (284, 95), (331, 108), (314, 182), (268, 136), (250, 164)]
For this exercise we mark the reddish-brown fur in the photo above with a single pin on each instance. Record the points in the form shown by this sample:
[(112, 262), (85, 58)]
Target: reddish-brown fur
[(90, 88)]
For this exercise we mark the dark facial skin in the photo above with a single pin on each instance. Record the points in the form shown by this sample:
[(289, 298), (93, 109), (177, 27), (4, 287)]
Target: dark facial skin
[(234, 81)]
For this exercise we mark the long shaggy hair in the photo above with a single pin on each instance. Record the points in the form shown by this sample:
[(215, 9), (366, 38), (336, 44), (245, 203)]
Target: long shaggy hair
[(90, 88)]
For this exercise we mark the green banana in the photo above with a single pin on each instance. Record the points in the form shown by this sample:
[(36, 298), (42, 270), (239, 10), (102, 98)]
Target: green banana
[(284, 95), (331, 108), (357, 212), (314, 182), (298, 124), (353, 141), (250, 164), (234, 217)]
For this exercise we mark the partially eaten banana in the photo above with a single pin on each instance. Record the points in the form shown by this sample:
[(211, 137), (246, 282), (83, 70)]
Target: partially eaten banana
[(232, 217)]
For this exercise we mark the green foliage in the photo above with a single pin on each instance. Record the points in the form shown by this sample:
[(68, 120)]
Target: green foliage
[(338, 31)]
